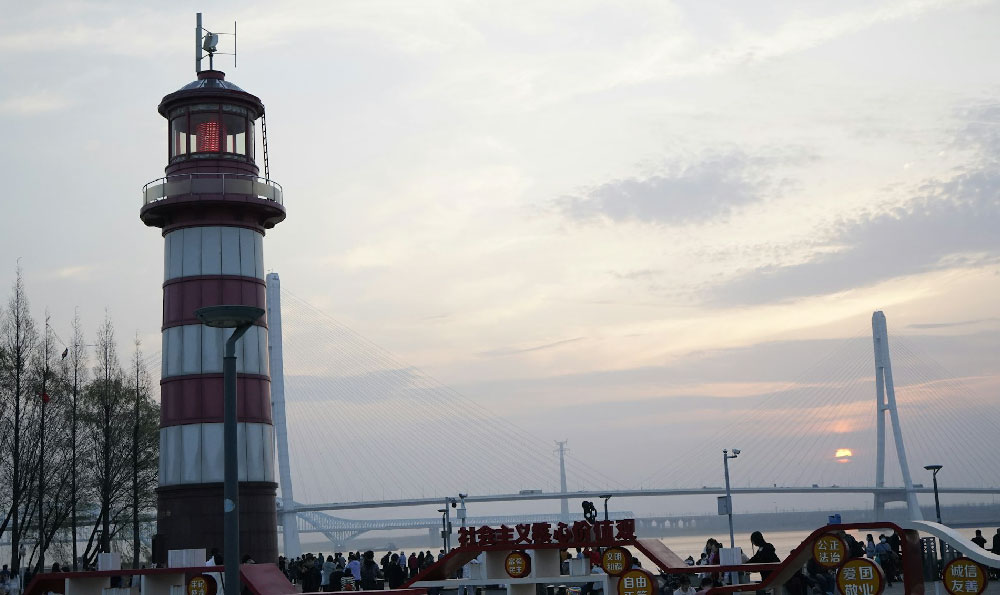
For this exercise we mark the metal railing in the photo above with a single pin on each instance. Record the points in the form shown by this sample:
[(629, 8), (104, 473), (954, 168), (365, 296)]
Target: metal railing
[(214, 183)]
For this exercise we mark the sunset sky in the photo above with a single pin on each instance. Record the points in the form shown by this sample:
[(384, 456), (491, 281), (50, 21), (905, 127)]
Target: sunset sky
[(579, 214)]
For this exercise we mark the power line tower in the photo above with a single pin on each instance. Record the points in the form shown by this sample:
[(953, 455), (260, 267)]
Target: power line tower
[(886, 395), (563, 502)]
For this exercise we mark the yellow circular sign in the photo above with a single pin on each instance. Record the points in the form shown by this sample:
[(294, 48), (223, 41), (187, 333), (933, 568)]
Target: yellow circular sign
[(962, 576), (860, 576), (637, 582), (616, 560), (829, 551), (517, 564), (202, 584)]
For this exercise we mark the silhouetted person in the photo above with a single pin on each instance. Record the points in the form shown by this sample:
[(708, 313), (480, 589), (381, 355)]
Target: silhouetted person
[(765, 553), (394, 574)]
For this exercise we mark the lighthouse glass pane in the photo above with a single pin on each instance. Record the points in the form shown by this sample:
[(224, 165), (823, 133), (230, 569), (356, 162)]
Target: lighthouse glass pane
[(207, 133), (250, 142), (236, 134), (178, 136)]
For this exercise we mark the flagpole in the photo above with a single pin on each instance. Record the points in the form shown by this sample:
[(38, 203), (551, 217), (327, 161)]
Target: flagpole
[(41, 457)]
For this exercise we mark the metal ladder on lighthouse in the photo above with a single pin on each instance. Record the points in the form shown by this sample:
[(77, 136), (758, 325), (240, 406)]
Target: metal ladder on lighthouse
[(263, 126)]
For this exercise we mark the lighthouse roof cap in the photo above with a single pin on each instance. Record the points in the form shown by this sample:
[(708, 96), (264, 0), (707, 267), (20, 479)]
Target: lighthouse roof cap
[(211, 85), (211, 79)]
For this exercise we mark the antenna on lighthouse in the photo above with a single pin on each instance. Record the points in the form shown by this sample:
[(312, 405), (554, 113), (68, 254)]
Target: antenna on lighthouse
[(205, 40), (197, 44)]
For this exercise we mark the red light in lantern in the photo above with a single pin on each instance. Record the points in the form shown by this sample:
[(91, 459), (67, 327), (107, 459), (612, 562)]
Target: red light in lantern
[(209, 136)]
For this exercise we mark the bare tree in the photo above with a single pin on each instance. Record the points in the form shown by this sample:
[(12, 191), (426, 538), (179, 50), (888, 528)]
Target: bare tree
[(78, 362), (109, 374), (19, 339), (144, 447), (50, 380), (77, 448)]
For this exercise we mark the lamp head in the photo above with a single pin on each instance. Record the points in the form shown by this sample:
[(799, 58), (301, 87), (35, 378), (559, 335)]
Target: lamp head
[(736, 452), (933, 468), (228, 316)]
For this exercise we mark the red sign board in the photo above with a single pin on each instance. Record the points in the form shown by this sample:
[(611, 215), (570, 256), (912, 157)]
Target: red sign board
[(616, 560), (962, 576), (637, 582), (580, 534)]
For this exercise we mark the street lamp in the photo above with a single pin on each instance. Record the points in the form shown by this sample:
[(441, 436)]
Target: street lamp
[(444, 527), (606, 498), (239, 318), (729, 497), (937, 503), (462, 511), (447, 522)]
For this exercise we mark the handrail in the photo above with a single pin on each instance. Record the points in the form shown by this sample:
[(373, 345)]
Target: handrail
[(211, 183), (957, 541)]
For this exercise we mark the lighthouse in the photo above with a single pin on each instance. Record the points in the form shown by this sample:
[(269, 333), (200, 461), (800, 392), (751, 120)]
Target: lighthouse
[(213, 209)]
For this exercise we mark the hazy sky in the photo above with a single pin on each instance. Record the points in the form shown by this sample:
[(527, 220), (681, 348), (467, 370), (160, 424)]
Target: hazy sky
[(544, 204)]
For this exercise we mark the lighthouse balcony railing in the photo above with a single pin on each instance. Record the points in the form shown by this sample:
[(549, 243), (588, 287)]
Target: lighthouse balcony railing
[(211, 184)]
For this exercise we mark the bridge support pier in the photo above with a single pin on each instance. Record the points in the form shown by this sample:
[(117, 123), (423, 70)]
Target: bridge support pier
[(879, 507)]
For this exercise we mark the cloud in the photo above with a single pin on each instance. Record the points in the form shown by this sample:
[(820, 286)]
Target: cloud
[(934, 325), (76, 272), (681, 193), (947, 223), (34, 103), (515, 351)]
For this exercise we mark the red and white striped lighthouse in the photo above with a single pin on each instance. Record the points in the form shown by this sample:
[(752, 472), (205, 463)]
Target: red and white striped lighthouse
[(213, 209)]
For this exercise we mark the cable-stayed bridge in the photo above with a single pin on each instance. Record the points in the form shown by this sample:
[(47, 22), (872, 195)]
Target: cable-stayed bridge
[(363, 430)]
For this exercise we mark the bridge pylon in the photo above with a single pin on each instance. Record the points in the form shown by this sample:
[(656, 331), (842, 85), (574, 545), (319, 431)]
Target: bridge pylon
[(289, 523), (886, 402), (563, 502)]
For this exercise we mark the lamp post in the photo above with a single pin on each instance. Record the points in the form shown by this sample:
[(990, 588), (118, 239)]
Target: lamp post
[(937, 503), (239, 318), (444, 527), (462, 511), (606, 497), (729, 497), (447, 522)]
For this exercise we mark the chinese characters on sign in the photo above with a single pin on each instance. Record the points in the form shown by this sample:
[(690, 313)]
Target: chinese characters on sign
[(579, 533), (202, 584), (829, 551), (962, 576), (517, 564), (860, 576), (616, 560), (637, 582)]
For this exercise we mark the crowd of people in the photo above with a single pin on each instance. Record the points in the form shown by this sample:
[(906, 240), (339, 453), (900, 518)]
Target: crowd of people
[(356, 572), (359, 570)]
